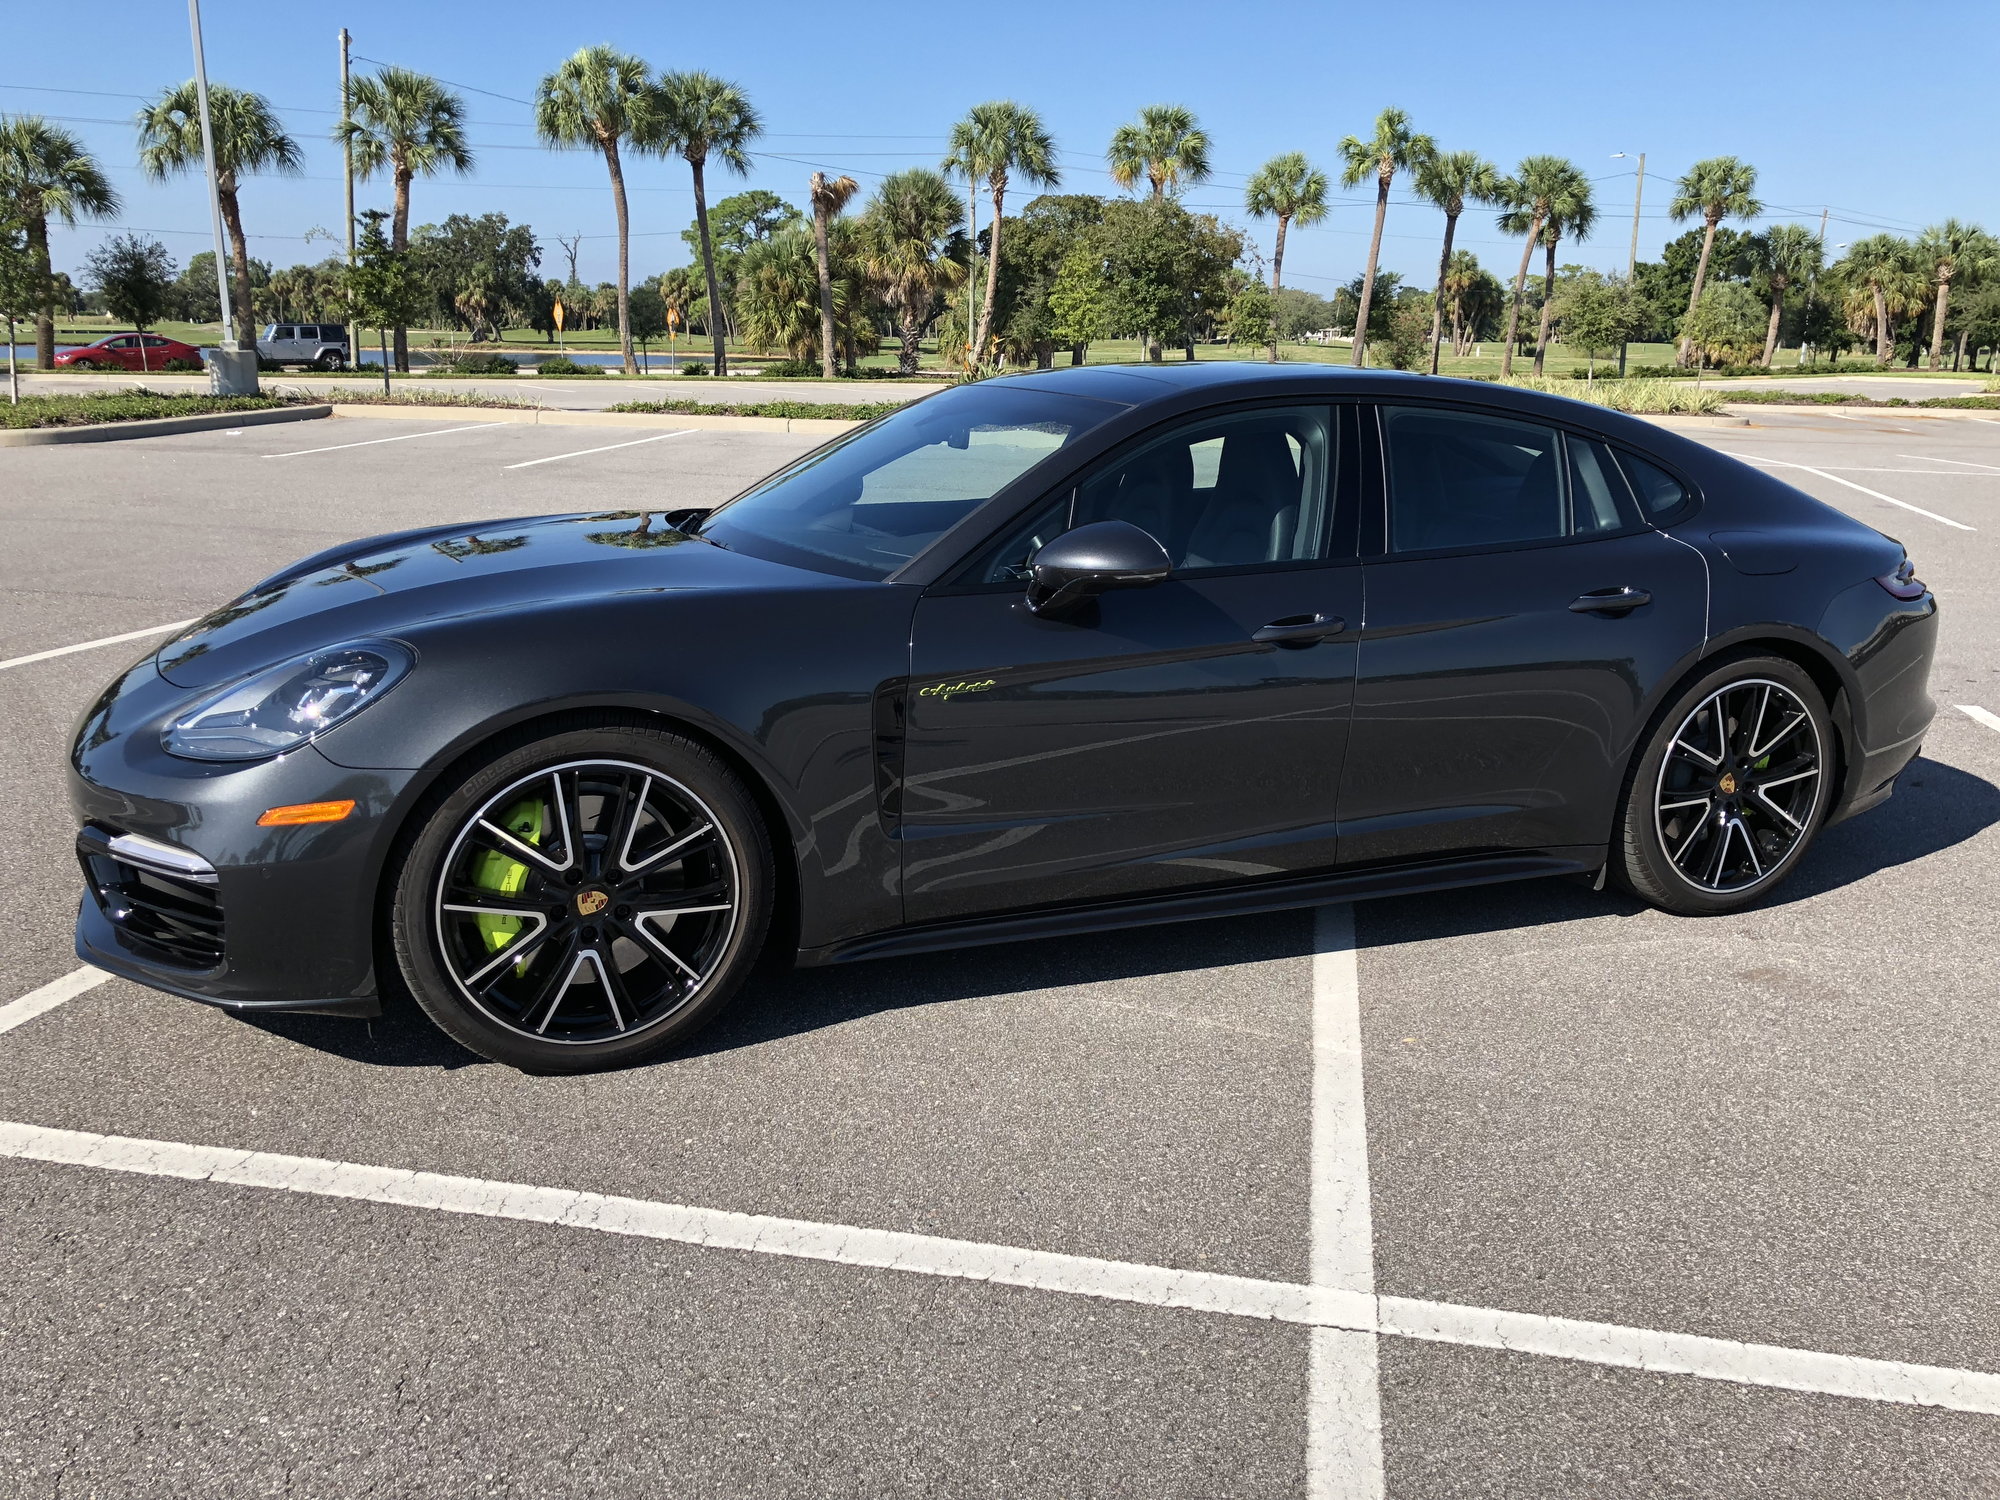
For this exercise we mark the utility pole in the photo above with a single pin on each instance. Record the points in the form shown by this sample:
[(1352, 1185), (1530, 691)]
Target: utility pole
[(235, 372), (1632, 258), (347, 152), (1811, 281)]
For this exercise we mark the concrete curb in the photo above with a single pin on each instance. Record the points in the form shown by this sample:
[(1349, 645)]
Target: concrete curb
[(1893, 413), (110, 432), (542, 416)]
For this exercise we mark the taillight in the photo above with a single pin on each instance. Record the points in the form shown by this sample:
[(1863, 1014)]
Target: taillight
[(1904, 583)]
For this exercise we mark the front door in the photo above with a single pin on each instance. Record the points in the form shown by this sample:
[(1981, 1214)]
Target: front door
[(1519, 614), (1150, 741)]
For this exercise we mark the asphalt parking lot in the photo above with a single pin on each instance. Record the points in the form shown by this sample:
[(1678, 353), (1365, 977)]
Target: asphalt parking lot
[(1524, 1191)]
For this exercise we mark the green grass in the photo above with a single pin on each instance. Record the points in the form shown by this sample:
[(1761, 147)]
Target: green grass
[(832, 411), (1850, 398), (408, 396), (132, 406)]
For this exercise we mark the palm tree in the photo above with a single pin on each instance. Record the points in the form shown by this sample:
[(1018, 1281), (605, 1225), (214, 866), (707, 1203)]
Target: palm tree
[(1392, 148), (247, 139), (1165, 146), (1783, 254), (1571, 213), (1452, 179), (46, 174), (1946, 250), (913, 249), (595, 100), (698, 116), (1716, 189), (1879, 263), (1528, 194), (829, 197), (1011, 138), (1291, 190), (411, 124)]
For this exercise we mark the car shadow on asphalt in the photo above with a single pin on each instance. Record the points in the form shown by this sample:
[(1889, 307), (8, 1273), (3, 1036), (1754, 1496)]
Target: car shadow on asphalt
[(1936, 806)]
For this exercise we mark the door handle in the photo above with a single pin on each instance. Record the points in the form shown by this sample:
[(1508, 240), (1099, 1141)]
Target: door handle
[(1616, 601), (1299, 630)]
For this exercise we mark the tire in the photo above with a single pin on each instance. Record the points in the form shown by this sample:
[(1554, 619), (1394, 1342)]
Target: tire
[(332, 362), (639, 935), (1734, 783)]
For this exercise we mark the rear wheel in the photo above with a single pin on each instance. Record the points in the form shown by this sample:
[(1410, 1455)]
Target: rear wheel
[(584, 901), (1731, 790), (332, 361)]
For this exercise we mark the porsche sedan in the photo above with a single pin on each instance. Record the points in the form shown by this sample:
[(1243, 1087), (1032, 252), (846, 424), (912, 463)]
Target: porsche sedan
[(1045, 654)]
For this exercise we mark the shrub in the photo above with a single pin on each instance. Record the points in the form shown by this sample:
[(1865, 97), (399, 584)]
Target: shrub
[(798, 410), (694, 367), (182, 367), (132, 406), (1638, 396), (562, 364), (789, 369), (481, 364)]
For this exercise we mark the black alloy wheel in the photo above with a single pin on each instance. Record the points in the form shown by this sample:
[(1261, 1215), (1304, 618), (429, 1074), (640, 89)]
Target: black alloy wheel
[(585, 901), (332, 362), (1730, 790)]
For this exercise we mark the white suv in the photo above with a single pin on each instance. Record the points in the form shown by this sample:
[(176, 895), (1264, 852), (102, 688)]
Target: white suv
[(321, 344)]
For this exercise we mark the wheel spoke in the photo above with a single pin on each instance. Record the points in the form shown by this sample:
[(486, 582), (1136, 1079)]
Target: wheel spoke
[(1701, 755), (659, 945), (583, 956), (1759, 751), (1769, 782), (1771, 806), (1689, 802), (522, 849), (699, 831), (1750, 848), (515, 947), (634, 815)]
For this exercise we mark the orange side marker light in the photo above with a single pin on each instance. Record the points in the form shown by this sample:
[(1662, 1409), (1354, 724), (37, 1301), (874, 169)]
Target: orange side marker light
[(305, 812)]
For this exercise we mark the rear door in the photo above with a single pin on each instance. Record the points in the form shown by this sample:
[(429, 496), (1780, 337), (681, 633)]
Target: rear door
[(1519, 614), (1151, 741)]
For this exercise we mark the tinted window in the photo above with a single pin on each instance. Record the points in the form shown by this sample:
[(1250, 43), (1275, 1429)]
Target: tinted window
[(1460, 479), (1596, 495), (287, 332), (1660, 494), (871, 502)]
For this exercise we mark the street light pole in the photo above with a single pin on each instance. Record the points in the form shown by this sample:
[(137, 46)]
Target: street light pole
[(347, 152), (1632, 258), (229, 375)]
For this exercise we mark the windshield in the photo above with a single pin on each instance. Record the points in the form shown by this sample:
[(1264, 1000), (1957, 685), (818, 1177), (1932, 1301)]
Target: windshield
[(870, 503)]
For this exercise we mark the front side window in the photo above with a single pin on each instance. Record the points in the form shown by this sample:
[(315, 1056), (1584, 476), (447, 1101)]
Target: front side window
[(868, 504)]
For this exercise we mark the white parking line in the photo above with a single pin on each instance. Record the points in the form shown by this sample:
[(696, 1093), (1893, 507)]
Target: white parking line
[(109, 640), (1939, 458), (586, 452), (1646, 1349), (1343, 1392), (401, 437), (1980, 715), (49, 996), (1835, 478)]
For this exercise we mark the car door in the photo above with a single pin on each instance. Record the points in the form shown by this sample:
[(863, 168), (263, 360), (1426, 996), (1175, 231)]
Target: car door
[(1152, 740), (122, 352), (1519, 613)]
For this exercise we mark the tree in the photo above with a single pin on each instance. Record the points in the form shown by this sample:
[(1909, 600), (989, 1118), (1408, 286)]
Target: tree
[(595, 101), (46, 174), (1527, 197), (1726, 328), (1165, 146), (1880, 265), (1477, 300), (1781, 256), (486, 248), (1299, 313), (1250, 321), (1291, 190), (1393, 148), (777, 294), (20, 287), (1452, 179), (135, 276), (686, 295), (1080, 303), (1948, 249), (413, 126), (1013, 140), (1716, 189), (829, 197), (914, 249), (248, 140), (1166, 269), (386, 288), (1595, 313), (1570, 212), (696, 116), (1050, 228), (647, 312)]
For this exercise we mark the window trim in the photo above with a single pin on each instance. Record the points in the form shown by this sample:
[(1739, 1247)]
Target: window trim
[(1375, 541), (1344, 493)]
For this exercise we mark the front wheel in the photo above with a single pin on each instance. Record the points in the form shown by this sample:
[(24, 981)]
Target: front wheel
[(1730, 791), (332, 362), (584, 901)]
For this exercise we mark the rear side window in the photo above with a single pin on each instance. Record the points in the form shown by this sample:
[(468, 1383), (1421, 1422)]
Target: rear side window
[(1596, 495), (1661, 496), (1464, 479)]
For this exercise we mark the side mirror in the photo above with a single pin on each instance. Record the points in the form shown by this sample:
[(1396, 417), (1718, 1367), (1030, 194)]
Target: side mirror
[(1092, 560)]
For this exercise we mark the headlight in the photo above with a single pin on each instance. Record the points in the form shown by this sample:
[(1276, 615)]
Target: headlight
[(289, 704)]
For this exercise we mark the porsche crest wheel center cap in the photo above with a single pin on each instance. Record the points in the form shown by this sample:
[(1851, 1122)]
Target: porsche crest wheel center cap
[(590, 903), (1727, 784)]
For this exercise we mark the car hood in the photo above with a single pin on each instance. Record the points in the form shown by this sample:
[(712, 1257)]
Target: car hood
[(384, 585)]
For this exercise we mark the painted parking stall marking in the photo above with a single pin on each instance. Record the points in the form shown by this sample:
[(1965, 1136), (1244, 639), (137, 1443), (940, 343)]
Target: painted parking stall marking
[(401, 437), (49, 996), (586, 452), (1836, 479), (1980, 715), (109, 640)]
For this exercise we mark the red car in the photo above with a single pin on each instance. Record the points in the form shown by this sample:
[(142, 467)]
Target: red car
[(142, 352)]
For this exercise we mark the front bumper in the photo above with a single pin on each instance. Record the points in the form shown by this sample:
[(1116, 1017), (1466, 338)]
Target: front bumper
[(254, 918)]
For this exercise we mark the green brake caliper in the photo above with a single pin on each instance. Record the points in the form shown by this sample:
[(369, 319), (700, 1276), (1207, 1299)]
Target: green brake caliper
[(503, 875)]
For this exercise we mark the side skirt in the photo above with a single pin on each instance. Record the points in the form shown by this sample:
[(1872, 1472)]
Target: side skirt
[(1225, 901)]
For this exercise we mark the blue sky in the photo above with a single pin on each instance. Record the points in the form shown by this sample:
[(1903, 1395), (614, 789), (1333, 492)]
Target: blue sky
[(1800, 90)]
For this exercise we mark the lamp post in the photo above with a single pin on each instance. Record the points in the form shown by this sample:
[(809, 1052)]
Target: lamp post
[(234, 371), (1632, 259)]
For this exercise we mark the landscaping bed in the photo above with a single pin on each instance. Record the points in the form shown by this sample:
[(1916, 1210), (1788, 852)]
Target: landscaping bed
[(93, 408), (831, 411)]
